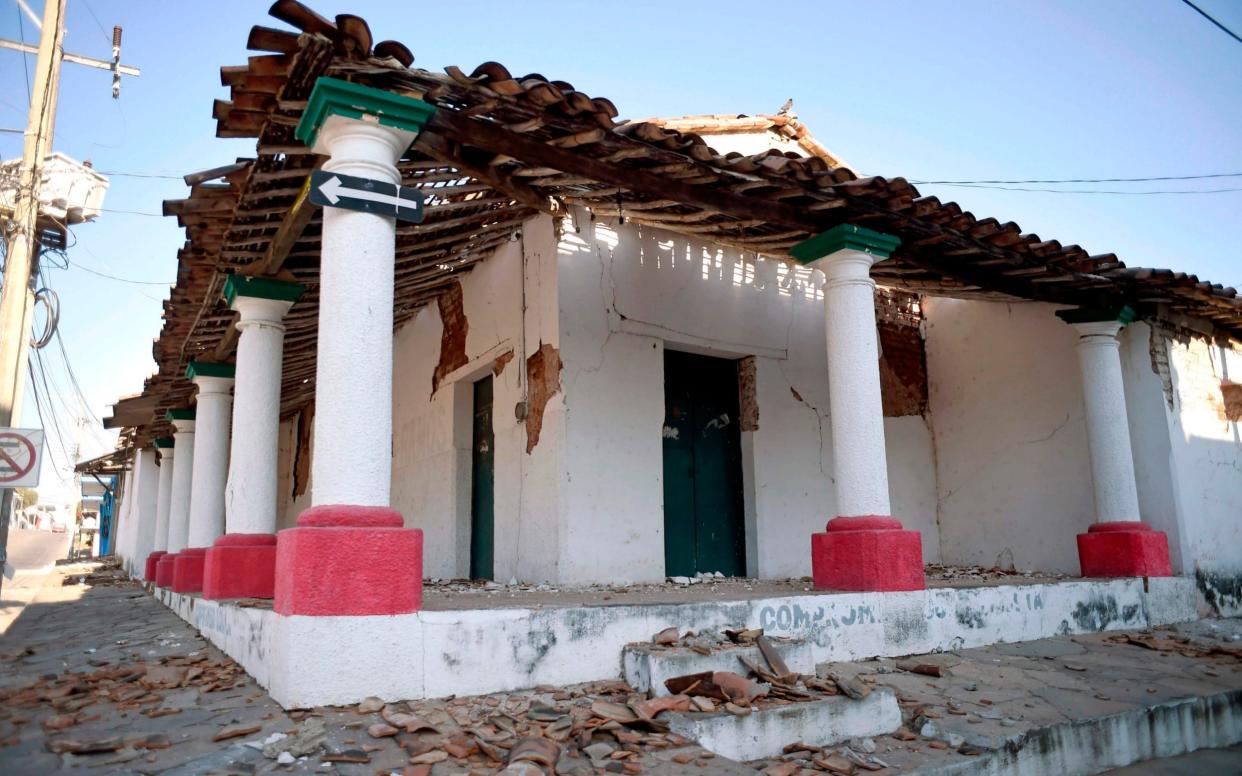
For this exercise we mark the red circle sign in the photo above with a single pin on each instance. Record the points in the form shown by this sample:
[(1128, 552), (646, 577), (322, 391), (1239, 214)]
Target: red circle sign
[(17, 464)]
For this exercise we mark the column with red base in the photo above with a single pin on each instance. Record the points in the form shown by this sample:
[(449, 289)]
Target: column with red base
[(350, 554), (1119, 544), (179, 493), (159, 536), (865, 548), (242, 562), (214, 415)]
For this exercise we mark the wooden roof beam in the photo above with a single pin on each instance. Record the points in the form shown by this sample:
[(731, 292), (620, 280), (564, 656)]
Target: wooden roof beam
[(535, 152)]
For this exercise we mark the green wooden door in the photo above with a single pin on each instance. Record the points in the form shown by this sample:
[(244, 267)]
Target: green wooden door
[(482, 486), (704, 524)]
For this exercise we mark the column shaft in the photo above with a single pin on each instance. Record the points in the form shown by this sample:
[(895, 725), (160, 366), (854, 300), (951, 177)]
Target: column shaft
[(1108, 428), (179, 497), (353, 378), (164, 499), (211, 460), (252, 498), (859, 462)]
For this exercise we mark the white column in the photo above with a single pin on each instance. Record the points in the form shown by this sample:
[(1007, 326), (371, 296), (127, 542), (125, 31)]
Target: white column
[(1108, 428), (163, 499), (146, 491), (859, 465), (251, 499), (353, 389), (213, 417), (123, 543), (179, 496)]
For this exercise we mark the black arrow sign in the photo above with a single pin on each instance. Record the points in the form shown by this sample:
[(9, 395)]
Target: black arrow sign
[(333, 189)]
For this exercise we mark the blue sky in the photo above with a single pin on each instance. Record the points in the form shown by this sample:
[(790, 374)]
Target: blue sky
[(969, 90)]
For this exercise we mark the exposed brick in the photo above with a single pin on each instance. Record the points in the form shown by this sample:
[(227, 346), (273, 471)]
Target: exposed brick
[(748, 393), (543, 381), (453, 338), (301, 453), (903, 370), (501, 361)]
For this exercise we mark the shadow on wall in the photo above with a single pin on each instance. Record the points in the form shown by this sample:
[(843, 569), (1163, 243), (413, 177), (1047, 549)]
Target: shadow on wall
[(658, 249)]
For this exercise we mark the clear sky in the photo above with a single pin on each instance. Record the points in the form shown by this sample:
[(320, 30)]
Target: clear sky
[(968, 90)]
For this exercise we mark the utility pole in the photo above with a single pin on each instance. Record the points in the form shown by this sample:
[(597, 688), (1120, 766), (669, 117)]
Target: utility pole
[(16, 298)]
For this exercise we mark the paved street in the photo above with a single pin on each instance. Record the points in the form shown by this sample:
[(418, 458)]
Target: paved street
[(31, 552)]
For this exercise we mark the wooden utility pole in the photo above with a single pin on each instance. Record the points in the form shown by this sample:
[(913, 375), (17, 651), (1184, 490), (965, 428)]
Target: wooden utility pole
[(16, 297)]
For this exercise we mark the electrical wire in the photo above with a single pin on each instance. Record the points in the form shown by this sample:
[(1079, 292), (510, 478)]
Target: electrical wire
[(1205, 15), (81, 266), (1099, 180), (21, 29), (34, 387), (1088, 191)]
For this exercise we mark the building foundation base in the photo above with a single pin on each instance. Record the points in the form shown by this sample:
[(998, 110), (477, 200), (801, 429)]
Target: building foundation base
[(188, 570), (240, 566), (152, 565), (868, 553), (164, 569), (349, 560), (1124, 549)]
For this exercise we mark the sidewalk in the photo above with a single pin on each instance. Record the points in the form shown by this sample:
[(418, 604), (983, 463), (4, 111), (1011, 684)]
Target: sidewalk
[(97, 677)]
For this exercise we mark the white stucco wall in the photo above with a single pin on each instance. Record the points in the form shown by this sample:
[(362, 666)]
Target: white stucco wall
[(628, 292), (1206, 461), (432, 432), (1013, 471)]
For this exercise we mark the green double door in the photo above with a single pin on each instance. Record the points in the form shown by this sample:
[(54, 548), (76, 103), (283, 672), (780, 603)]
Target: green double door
[(483, 484), (704, 521)]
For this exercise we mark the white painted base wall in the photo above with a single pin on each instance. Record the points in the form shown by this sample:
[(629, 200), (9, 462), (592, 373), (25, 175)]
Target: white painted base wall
[(470, 652)]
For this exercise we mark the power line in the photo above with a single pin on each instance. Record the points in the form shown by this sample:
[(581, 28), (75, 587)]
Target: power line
[(1101, 180), (140, 174), (79, 265), (1205, 15), (1089, 191)]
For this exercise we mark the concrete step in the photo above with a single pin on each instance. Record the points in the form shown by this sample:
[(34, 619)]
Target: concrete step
[(764, 732), (648, 665), (1097, 744)]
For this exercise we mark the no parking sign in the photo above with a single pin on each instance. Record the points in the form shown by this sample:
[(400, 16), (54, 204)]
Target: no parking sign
[(21, 450)]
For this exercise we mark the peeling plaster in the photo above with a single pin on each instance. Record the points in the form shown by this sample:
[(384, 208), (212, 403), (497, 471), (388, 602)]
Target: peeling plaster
[(748, 393), (453, 339), (543, 380), (501, 361)]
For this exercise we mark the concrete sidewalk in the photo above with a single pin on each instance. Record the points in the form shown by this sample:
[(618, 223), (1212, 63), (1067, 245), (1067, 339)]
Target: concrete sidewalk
[(98, 677)]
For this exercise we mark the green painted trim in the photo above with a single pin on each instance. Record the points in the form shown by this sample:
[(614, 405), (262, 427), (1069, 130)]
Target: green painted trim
[(1123, 315), (165, 443), (183, 414), (332, 96), (209, 369), (845, 237), (261, 288)]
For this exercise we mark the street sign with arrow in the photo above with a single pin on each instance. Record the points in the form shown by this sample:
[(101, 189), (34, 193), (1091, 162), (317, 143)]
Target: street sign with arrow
[(333, 189)]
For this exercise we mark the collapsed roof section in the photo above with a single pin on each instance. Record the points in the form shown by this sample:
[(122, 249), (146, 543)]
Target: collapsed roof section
[(501, 148)]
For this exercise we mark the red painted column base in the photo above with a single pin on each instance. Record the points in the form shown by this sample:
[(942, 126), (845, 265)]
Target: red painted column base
[(240, 566), (1124, 549), (188, 572), (153, 562), (164, 569), (868, 553), (349, 560)]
